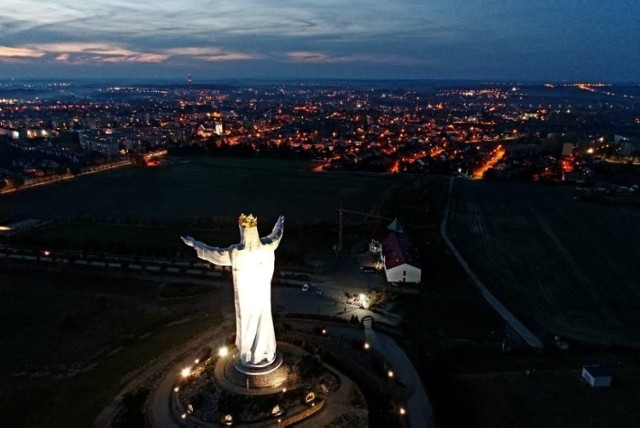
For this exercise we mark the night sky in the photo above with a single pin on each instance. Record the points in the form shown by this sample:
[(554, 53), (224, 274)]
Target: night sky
[(453, 39)]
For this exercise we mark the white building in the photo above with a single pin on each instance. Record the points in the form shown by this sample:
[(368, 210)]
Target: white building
[(596, 376), (399, 257)]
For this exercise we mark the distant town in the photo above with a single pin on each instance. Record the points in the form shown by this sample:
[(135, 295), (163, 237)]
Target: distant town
[(580, 132)]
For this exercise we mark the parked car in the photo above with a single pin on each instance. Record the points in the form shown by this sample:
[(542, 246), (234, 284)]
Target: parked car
[(368, 269), (305, 287)]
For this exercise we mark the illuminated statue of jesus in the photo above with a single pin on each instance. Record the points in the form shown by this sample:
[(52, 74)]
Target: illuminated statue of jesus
[(252, 262)]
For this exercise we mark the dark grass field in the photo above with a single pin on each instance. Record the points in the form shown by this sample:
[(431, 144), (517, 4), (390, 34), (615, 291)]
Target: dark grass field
[(122, 239), (58, 331), (185, 188), (568, 266)]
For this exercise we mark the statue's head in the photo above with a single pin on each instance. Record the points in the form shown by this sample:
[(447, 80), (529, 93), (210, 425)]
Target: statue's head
[(247, 221), (249, 237)]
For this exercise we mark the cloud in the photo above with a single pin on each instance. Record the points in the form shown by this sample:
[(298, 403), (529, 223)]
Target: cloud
[(81, 53), (137, 57), (211, 54), (86, 53), (305, 57), (97, 52), (20, 52)]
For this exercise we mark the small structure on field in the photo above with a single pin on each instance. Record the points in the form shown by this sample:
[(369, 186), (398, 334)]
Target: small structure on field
[(596, 376)]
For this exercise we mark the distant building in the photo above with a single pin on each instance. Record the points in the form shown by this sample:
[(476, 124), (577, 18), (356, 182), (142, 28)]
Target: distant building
[(95, 142), (204, 131), (14, 134), (398, 255), (596, 376), (628, 146)]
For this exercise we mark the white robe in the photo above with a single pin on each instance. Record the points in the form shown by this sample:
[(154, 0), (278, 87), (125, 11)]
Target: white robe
[(252, 262)]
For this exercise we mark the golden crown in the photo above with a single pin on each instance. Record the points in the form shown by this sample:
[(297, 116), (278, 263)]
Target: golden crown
[(247, 221)]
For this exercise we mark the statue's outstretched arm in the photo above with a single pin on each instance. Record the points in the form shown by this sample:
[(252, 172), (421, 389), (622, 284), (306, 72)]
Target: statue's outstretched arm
[(215, 255), (273, 239)]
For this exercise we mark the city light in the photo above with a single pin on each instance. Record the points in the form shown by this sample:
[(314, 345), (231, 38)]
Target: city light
[(185, 372), (403, 411), (4, 228), (366, 345), (390, 373)]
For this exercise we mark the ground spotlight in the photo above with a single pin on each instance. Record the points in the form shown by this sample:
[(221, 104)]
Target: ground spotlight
[(223, 352)]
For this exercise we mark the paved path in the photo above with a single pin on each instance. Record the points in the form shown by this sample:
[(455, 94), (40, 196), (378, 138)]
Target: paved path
[(159, 410), (337, 405), (531, 339), (419, 409)]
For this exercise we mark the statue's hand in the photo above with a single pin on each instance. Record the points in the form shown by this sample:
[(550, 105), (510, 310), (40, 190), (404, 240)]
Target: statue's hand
[(188, 240)]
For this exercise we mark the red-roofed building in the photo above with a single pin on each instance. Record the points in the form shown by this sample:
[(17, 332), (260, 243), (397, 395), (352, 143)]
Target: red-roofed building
[(398, 255)]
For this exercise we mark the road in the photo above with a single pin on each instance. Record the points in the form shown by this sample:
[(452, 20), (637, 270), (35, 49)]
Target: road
[(61, 178), (159, 411), (418, 407)]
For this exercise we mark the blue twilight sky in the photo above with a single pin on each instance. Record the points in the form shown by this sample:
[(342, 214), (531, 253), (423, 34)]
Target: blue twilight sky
[(476, 39)]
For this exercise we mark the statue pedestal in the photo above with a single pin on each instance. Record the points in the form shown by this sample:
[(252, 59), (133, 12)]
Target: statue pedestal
[(231, 375), (260, 368)]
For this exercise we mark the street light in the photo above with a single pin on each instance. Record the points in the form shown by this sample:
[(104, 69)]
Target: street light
[(185, 372), (402, 411), (390, 373)]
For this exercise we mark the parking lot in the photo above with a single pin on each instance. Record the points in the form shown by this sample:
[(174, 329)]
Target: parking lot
[(331, 293)]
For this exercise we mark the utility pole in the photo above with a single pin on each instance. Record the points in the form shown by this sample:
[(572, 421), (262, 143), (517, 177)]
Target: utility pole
[(341, 212)]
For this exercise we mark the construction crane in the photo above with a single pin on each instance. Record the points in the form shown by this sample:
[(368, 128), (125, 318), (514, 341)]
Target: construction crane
[(341, 212)]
